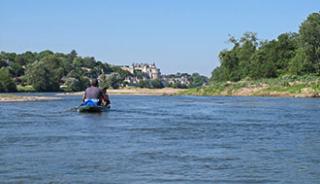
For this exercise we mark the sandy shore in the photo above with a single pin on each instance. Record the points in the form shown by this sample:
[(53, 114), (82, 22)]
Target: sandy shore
[(16, 98), (135, 91)]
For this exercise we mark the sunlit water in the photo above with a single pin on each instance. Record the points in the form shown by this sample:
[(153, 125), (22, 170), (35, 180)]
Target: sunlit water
[(147, 139)]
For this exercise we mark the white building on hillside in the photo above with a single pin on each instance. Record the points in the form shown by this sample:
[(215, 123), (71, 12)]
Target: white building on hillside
[(150, 70)]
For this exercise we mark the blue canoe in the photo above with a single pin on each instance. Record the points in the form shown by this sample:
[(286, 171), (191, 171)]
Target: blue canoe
[(91, 105)]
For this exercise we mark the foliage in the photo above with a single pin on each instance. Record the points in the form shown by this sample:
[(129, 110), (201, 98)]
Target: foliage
[(287, 85), (41, 77), (76, 84), (47, 71), (104, 82), (112, 80), (151, 84), (6, 82), (25, 88), (198, 80), (290, 53), (310, 42)]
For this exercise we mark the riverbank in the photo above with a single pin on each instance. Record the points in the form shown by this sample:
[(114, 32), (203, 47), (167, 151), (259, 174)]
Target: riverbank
[(136, 91), (308, 86), (125, 91), (17, 98)]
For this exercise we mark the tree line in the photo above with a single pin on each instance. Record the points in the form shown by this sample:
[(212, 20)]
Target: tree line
[(47, 71), (288, 54)]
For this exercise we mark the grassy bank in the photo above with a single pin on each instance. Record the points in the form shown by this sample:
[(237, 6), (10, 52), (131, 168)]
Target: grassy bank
[(289, 86), (27, 88)]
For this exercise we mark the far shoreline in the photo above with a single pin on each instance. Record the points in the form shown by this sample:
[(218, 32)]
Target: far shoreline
[(252, 91), (14, 97), (133, 91)]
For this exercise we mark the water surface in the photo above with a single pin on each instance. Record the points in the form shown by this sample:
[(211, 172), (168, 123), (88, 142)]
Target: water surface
[(162, 139)]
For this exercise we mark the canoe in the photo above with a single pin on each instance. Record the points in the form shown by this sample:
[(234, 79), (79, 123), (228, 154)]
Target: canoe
[(91, 106)]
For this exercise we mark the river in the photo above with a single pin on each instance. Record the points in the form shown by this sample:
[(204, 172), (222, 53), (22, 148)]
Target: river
[(162, 139)]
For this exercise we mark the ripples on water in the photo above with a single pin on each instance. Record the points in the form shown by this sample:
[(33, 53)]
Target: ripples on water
[(146, 139)]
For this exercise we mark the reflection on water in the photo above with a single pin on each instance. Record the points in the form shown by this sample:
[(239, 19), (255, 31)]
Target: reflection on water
[(146, 139)]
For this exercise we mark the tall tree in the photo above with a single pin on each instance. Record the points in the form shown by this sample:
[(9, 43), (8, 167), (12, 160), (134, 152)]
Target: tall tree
[(310, 41), (41, 77), (6, 82), (72, 55)]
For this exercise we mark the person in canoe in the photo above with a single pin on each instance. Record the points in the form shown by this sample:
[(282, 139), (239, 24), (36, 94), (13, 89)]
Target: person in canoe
[(105, 92), (95, 93)]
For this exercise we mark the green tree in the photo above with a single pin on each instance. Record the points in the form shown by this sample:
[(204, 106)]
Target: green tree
[(310, 42), (198, 80), (16, 70), (104, 82), (244, 52), (6, 82), (72, 55), (76, 81), (88, 62), (103, 68), (156, 84), (66, 65), (248, 58), (113, 80), (235, 63), (76, 84), (143, 84), (84, 82), (261, 66), (298, 64), (29, 57), (123, 74), (43, 54), (8, 56), (41, 77), (230, 65), (20, 60), (55, 64), (77, 62), (72, 84), (284, 50), (218, 74), (3, 61)]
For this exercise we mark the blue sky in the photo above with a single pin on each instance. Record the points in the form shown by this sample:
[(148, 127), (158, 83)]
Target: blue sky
[(178, 35)]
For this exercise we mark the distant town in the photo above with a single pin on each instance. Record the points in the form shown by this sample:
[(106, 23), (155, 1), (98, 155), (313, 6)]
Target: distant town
[(149, 76)]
